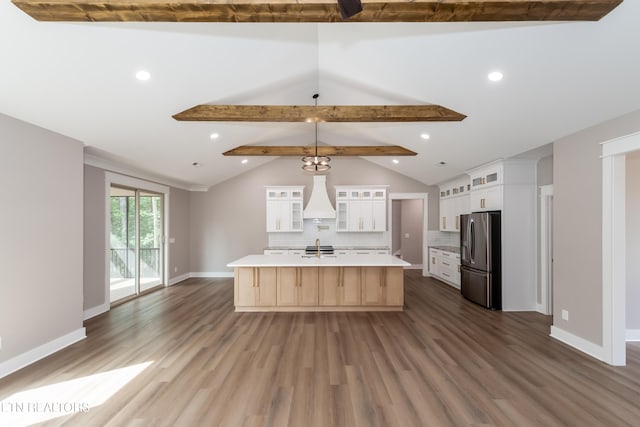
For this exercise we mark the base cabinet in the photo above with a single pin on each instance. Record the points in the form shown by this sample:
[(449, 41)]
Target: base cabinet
[(319, 288), (382, 286), (445, 266), (255, 286), (297, 286), (339, 286)]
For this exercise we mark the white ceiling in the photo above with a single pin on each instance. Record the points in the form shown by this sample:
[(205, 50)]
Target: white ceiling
[(78, 79)]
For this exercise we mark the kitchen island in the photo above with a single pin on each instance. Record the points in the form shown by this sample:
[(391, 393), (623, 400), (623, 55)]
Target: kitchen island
[(311, 283)]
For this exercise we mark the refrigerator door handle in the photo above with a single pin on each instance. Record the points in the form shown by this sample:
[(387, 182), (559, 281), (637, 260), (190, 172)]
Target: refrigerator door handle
[(472, 240)]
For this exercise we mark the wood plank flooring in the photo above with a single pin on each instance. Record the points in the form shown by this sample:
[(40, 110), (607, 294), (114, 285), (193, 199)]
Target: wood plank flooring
[(442, 362)]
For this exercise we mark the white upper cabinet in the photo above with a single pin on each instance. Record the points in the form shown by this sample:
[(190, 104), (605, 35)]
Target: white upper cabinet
[(361, 209), (284, 208), (454, 201)]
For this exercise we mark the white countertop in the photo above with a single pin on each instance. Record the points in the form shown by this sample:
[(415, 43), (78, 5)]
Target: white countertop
[(325, 261)]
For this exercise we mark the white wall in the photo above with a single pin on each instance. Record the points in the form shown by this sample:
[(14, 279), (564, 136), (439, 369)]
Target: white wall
[(228, 221), (577, 239), (42, 239), (632, 179)]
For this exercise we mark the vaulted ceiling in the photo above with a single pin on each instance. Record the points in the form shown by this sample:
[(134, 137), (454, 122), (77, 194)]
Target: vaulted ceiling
[(78, 79)]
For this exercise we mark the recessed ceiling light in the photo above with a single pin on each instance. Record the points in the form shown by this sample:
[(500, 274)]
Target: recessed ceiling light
[(425, 136), (396, 161), (196, 164), (143, 75), (214, 135), (244, 161), (495, 76)]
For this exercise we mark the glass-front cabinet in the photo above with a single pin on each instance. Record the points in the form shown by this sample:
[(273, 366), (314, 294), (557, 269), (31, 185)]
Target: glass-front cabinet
[(284, 209)]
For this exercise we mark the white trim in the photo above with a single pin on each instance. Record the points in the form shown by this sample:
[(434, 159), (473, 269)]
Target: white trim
[(96, 311), (425, 227), (414, 267), (135, 183), (621, 145), (632, 335), (546, 291), (614, 246), (214, 274), (27, 358), (613, 251), (578, 343), (179, 279), (109, 165)]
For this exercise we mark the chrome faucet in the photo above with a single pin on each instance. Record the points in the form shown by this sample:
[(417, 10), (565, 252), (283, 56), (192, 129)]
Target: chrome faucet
[(318, 248)]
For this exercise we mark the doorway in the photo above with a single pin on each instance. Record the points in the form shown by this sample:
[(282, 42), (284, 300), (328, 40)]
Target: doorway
[(409, 213), (136, 242)]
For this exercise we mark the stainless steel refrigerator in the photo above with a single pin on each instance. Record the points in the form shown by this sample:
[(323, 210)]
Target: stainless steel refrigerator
[(480, 258)]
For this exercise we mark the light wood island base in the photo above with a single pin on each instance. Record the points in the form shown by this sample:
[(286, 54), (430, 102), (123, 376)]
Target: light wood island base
[(290, 289)]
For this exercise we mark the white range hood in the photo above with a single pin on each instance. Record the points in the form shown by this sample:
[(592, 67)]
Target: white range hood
[(319, 205)]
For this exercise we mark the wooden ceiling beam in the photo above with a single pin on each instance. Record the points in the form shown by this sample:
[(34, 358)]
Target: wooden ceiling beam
[(316, 10), (324, 150), (320, 113)]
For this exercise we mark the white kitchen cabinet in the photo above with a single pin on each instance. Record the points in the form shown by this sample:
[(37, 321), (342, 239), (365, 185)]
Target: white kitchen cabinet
[(284, 209), (454, 201), (487, 199), (275, 252), (445, 266), (361, 209)]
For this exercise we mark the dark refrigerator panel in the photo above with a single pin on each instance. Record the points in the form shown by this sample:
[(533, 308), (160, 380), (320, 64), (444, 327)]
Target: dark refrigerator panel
[(480, 258), (481, 288), (475, 249)]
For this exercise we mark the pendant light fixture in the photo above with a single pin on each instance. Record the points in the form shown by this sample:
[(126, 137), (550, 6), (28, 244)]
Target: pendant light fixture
[(316, 163)]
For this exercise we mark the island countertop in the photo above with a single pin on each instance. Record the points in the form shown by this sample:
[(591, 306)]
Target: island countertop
[(372, 260)]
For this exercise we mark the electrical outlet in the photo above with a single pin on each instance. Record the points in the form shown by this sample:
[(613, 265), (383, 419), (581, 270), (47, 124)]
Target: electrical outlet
[(406, 235), (175, 269), (565, 315)]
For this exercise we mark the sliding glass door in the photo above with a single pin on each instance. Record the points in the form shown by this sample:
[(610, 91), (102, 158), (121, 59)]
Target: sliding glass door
[(136, 249), (151, 256)]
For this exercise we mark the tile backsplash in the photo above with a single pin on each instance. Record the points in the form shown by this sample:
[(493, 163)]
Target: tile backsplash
[(443, 238), (325, 230)]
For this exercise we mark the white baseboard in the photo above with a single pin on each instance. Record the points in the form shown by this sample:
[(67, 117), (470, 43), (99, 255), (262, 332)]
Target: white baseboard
[(16, 363), (95, 311), (632, 335), (212, 274), (578, 343), (179, 279)]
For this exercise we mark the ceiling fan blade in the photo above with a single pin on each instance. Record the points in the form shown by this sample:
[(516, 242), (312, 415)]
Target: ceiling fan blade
[(349, 8)]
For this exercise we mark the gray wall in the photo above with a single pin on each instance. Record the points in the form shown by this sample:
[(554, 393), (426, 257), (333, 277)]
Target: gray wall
[(41, 250), (94, 233), (95, 226), (228, 221), (633, 240), (411, 225), (179, 232), (396, 221), (577, 217)]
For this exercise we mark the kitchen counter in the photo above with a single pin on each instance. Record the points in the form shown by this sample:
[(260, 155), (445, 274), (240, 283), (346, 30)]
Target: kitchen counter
[(313, 261), (308, 283), (453, 249)]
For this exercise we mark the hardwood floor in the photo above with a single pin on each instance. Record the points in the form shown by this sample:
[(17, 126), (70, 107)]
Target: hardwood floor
[(443, 361)]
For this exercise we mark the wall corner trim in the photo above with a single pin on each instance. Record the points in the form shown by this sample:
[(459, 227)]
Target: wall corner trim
[(27, 358), (632, 335), (95, 311), (577, 342), (179, 279)]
